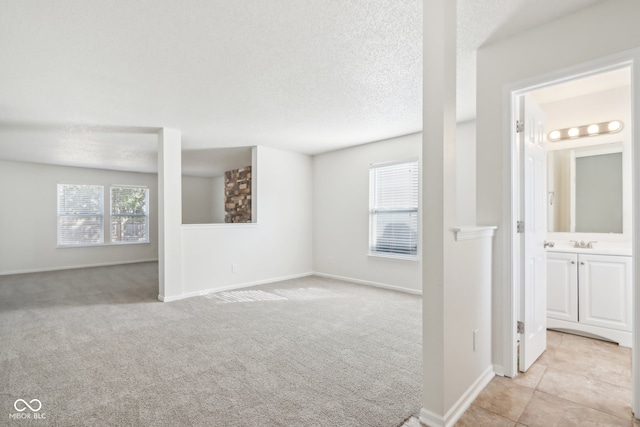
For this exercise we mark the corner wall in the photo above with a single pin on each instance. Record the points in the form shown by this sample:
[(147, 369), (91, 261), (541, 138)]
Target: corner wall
[(277, 247), (197, 200), (341, 215), (28, 218), (466, 173)]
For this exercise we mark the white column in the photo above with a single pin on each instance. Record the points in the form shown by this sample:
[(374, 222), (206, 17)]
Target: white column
[(438, 152), (169, 213)]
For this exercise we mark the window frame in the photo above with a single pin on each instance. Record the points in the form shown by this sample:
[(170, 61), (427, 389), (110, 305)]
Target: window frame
[(375, 209), (112, 215), (105, 216), (59, 215)]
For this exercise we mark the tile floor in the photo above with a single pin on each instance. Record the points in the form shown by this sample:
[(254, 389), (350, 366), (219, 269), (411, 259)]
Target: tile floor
[(577, 382)]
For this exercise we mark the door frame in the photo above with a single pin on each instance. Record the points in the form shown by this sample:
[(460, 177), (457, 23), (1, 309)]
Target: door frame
[(511, 261)]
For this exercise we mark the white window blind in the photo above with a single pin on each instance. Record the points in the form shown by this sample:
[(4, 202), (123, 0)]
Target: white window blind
[(129, 214), (393, 209), (80, 215)]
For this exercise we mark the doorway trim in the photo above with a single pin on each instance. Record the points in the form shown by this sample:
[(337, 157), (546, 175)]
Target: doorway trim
[(510, 297)]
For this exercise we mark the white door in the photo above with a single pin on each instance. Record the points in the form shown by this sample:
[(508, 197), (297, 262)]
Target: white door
[(533, 270), (562, 286)]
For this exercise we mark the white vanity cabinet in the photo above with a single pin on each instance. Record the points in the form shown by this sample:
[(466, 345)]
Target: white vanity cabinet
[(590, 293)]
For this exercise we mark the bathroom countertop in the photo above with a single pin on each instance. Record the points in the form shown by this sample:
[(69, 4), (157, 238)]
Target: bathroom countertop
[(595, 251)]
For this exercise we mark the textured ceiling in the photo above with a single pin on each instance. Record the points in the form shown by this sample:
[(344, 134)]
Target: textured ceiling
[(302, 75), (488, 21)]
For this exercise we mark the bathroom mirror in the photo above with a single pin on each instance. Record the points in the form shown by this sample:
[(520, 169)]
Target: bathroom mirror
[(585, 191), (218, 186)]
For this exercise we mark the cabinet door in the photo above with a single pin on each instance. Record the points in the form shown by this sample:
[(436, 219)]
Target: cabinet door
[(605, 291), (562, 286)]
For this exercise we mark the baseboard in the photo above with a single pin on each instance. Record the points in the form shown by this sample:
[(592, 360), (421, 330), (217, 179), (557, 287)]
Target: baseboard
[(431, 419), (369, 283), (452, 416), (74, 267), (232, 287)]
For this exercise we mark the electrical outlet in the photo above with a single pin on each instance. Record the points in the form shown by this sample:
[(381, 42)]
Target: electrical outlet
[(475, 339), (234, 268)]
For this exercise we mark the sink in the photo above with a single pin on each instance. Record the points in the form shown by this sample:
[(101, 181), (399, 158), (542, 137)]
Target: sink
[(594, 251)]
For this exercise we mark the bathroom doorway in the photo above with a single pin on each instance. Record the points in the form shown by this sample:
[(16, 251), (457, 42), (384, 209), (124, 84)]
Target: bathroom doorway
[(588, 141)]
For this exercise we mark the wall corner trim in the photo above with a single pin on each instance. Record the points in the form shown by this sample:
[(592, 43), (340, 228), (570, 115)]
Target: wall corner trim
[(475, 232), (232, 287), (431, 419), (74, 267), (368, 283), (499, 370)]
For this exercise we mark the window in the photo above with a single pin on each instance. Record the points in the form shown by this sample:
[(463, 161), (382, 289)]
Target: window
[(393, 209), (80, 215), (129, 214)]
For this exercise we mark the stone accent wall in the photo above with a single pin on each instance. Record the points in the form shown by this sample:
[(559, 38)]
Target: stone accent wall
[(237, 194)]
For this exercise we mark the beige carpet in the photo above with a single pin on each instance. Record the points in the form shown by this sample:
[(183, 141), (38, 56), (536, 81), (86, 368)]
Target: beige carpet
[(95, 347)]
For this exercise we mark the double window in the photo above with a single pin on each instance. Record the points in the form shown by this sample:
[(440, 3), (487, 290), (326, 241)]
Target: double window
[(393, 209), (81, 214)]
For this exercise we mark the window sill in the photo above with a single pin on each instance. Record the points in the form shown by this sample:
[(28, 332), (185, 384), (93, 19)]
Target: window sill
[(222, 225), (395, 257), (101, 245)]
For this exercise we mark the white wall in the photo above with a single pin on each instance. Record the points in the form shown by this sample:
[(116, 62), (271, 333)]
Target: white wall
[(466, 173), (456, 273), (28, 220), (217, 200), (592, 33), (197, 200), (278, 246), (341, 214)]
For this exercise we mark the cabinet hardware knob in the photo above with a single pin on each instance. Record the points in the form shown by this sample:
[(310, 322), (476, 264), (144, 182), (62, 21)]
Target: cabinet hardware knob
[(581, 262), (573, 262)]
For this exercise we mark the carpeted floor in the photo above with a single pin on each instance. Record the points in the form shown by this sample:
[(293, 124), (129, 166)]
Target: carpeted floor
[(95, 347)]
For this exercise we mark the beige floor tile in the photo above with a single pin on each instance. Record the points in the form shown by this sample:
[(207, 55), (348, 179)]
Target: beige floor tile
[(589, 392), (554, 339), (545, 358), (611, 367), (532, 377), (504, 397), (597, 347), (475, 416), (546, 410)]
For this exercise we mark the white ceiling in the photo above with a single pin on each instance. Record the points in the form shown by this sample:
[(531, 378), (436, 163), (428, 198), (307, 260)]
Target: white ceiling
[(487, 21), (303, 75)]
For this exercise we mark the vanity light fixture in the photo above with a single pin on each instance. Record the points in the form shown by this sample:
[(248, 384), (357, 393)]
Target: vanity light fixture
[(613, 126)]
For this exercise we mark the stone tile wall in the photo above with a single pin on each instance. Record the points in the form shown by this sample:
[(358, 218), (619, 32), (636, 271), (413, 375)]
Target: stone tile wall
[(237, 193)]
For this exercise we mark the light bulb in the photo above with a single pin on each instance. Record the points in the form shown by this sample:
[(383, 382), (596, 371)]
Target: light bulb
[(614, 126), (554, 135), (573, 132), (593, 129)]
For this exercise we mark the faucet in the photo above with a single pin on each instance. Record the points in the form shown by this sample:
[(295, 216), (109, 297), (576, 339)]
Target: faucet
[(582, 244)]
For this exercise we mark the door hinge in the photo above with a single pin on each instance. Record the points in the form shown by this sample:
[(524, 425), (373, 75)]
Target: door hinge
[(520, 327), (520, 227), (519, 126)]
